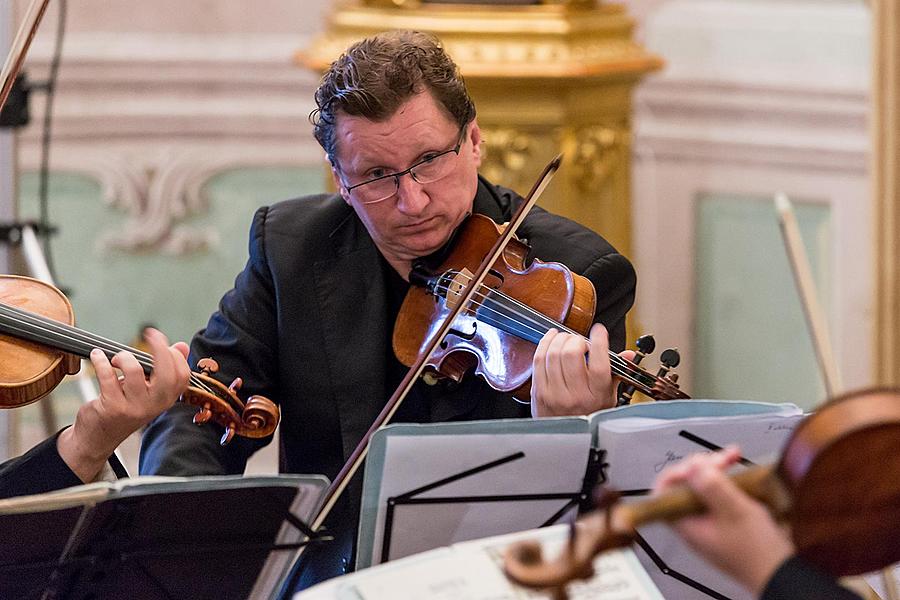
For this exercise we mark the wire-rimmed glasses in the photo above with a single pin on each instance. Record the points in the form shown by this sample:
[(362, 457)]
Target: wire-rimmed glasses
[(428, 170)]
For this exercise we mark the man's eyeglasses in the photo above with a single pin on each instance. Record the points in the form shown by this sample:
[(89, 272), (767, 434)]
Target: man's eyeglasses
[(429, 169)]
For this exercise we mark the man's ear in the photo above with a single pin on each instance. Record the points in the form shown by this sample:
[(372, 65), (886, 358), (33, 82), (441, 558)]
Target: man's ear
[(340, 185), (475, 137)]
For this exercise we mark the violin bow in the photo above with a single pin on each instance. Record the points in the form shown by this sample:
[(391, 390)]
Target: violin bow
[(359, 454), (818, 329), (19, 47), (812, 308)]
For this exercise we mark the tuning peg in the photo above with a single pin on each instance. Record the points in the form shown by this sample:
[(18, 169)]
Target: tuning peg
[(202, 416), (236, 384), (669, 359), (226, 437), (645, 345)]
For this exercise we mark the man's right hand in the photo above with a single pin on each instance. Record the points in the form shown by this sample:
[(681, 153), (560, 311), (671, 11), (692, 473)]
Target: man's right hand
[(736, 533)]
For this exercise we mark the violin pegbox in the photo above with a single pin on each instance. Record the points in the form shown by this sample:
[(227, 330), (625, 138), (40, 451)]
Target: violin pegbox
[(665, 380), (215, 402), (646, 344)]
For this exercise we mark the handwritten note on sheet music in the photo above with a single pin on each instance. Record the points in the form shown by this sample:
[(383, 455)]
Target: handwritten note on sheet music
[(473, 571), (638, 449)]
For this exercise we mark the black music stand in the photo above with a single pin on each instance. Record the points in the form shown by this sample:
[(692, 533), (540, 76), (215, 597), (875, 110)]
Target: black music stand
[(432, 485), (574, 499), (175, 541)]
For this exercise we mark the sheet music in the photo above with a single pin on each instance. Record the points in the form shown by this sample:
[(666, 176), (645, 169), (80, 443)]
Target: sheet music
[(473, 571), (639, 447), (644, 447)]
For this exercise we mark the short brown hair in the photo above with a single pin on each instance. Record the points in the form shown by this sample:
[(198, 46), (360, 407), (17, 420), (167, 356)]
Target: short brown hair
[(377, 75)]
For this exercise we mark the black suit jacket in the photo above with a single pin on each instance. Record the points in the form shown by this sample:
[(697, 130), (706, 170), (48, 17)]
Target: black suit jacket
[(796, 579), (39, 470), (306, 326)]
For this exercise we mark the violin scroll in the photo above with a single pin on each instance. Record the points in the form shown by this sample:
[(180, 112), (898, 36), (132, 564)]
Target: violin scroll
[(614, 526), (256, 419)]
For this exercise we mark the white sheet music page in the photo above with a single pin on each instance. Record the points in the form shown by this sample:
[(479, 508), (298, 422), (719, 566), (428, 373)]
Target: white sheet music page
[(645, 439), (643, 447), (474, 571)]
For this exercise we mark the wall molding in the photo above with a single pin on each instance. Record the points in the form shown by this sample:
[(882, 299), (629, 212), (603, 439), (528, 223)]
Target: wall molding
[(714, 121)]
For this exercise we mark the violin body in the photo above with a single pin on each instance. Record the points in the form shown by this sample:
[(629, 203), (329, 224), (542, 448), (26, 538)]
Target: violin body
[(484, 338), (841, 468), (30, 371)]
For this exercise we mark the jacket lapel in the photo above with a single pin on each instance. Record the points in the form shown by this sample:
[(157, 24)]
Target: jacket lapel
[(351, 292), (350, 289)]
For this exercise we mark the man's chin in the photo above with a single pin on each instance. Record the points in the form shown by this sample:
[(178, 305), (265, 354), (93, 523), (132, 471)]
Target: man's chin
[(427, 245)]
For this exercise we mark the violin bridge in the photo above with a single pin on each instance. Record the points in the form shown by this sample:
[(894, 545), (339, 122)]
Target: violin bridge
[(457, 287)]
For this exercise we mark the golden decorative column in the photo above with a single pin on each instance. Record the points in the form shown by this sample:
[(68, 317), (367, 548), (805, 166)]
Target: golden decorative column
[(546, 78), (886, 187)]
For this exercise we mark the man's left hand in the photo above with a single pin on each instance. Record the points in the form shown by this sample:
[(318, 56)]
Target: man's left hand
[(572, 377)]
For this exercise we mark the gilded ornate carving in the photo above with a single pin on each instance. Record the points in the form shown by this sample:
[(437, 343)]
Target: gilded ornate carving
[(598, 153), (505, 154), (416, 3), (562, 38)]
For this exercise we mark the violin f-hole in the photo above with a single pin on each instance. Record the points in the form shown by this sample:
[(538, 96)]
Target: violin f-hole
[(461, 334), (494, 273)]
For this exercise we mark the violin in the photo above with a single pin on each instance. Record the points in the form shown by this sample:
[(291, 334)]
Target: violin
[(835, 484), (509, 314), (40, 346)]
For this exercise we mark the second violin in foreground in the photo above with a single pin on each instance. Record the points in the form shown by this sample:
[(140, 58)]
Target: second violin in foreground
[(835, 484), (46, 348)]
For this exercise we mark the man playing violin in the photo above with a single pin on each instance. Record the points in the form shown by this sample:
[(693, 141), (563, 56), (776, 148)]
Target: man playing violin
[(83, 452), (309, 320)]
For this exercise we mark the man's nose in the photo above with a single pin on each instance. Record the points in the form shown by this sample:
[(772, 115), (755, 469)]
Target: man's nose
[(411, 196)]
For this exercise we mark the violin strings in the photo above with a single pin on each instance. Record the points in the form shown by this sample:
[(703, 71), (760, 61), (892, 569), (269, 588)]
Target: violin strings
[(50, 332), (618, 365), (54, 331)]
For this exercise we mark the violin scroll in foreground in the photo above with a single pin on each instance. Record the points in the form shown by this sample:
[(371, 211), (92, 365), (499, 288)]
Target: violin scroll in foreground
[(510, 313), (40, 346), (834, 485)]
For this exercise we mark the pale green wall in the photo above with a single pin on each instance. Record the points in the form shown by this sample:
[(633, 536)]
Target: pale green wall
[(751, 339), (115, 291)]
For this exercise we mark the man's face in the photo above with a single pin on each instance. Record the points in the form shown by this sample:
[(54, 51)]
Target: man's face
[(420, 217)]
